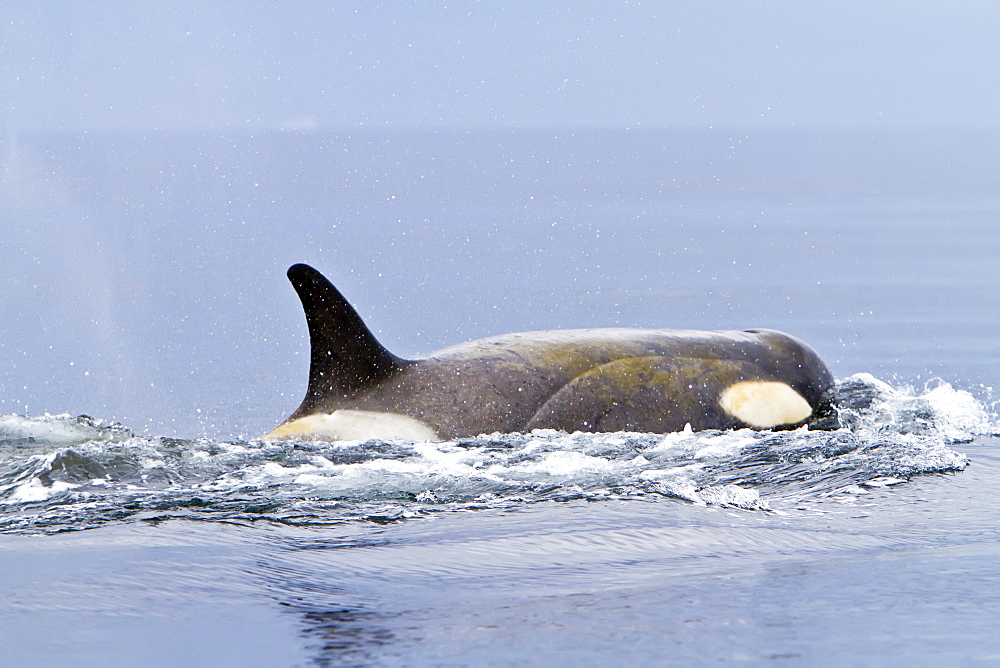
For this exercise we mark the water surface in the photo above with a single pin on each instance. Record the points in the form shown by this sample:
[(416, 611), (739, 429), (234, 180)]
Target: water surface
[(150, 338)]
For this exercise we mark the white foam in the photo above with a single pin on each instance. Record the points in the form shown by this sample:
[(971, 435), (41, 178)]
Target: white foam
[(959, 416), (884, 481), (878, 385), (561, 463), (706, 445), (715, 495), (892, 434), (954, 415), (56, 430), (383, 466), (735, 496), (34, 490), (449, 459), (666, 474)]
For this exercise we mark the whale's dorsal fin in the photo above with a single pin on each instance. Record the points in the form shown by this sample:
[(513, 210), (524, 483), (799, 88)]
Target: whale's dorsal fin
[(345, 356)]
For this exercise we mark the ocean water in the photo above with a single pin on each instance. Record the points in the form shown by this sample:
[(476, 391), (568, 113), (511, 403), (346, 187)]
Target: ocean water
[(149, 338)]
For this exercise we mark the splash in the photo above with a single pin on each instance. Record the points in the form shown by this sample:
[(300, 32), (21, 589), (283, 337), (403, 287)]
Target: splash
[(868, 405), (61, 472), (23, 433)]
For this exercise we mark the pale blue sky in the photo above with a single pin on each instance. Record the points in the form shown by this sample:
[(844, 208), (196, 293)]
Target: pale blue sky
[(251, 65)]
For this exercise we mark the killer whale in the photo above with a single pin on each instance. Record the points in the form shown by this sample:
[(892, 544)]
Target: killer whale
[(595, 380)]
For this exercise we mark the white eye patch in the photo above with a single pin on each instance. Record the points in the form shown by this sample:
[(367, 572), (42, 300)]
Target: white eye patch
[(764, 404)]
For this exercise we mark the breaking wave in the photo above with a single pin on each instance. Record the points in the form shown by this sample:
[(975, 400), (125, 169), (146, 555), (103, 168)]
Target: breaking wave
[(62, 473)]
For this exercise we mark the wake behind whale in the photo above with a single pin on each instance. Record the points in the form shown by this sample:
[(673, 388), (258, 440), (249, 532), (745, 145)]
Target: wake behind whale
[(65, 473)]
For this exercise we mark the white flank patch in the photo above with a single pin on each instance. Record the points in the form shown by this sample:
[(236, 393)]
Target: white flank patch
[(348, 425), (764, 404)]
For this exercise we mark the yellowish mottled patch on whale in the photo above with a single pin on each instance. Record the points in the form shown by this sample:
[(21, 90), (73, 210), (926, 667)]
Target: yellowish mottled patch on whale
[(348, 425), (764, 404)]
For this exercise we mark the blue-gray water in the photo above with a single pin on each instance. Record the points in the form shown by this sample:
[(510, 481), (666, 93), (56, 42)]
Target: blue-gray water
[(143, 286)]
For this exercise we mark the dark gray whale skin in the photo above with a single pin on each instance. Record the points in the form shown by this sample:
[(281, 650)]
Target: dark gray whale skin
[(591, 380)]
